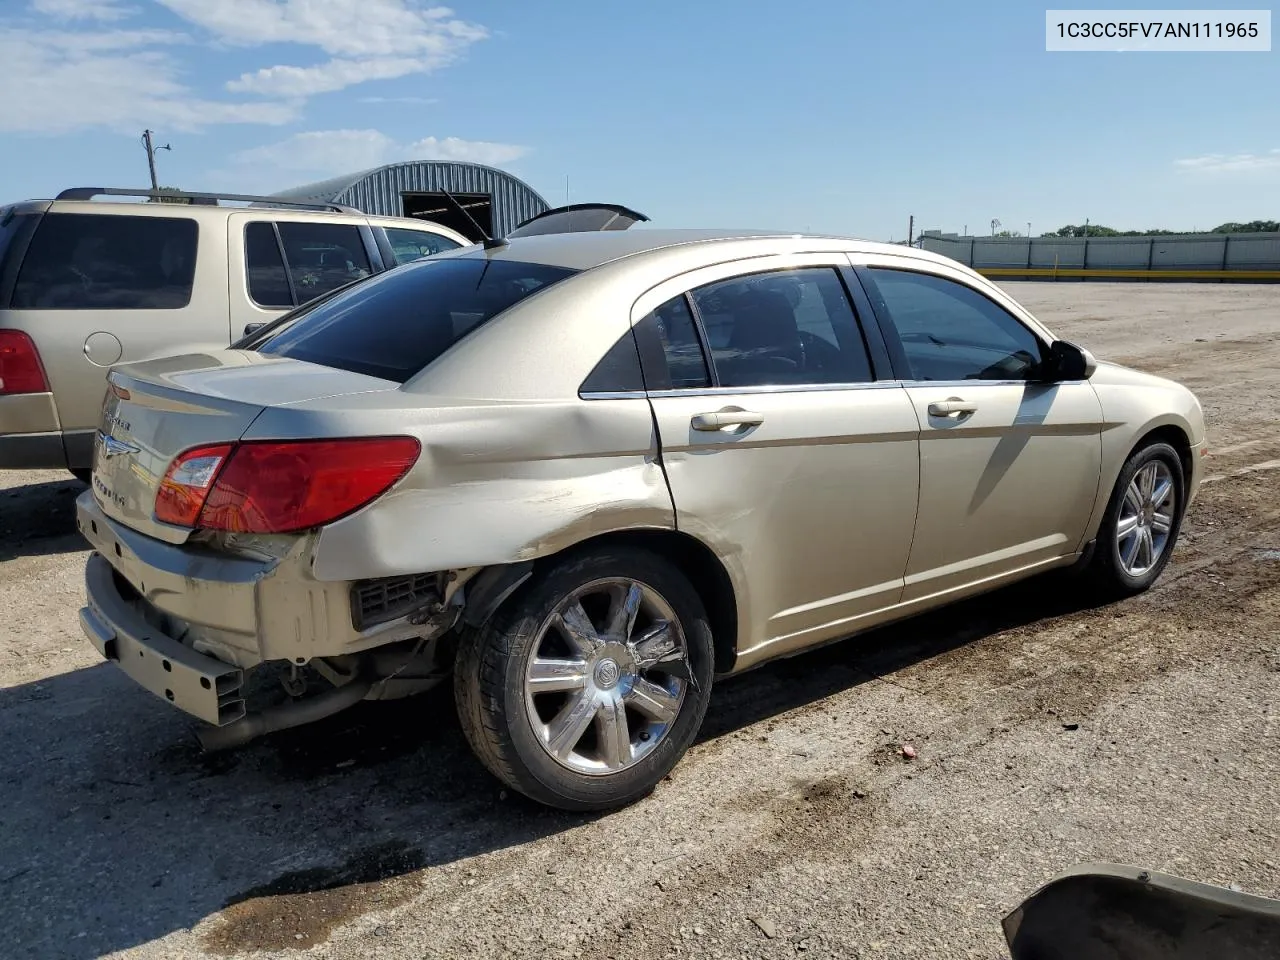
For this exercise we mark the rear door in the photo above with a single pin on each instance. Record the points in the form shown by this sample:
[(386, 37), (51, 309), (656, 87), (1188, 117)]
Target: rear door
[(100, 286), (782, 450), (1009, 467), (277, 262)]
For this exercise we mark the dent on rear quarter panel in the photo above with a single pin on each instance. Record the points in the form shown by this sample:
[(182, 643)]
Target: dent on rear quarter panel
[(502, 483)]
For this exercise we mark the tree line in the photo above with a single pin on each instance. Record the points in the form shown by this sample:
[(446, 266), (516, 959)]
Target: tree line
[(1098, 230)]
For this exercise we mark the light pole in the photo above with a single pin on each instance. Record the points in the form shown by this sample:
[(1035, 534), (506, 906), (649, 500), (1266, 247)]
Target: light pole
[(1028, 229), (151, 158)]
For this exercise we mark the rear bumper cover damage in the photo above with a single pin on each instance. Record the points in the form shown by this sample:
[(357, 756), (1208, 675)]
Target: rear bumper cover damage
[(198, 684), (188, 623)]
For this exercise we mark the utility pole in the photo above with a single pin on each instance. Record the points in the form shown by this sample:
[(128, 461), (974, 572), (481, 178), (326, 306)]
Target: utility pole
[(151, 158), (1086, 228), (911, 228), (1028, 229), (994, 223)]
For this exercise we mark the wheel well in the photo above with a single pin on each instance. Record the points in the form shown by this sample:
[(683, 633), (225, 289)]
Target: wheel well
[(705, 572), (1175, 437)]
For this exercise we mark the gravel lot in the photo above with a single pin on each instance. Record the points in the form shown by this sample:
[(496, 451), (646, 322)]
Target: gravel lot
[(1047, 734)]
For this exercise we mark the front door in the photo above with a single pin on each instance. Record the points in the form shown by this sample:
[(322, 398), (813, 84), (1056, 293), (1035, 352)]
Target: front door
[(1009, 468), (781, 450)]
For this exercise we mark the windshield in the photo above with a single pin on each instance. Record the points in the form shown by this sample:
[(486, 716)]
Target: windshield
[(396, 323)]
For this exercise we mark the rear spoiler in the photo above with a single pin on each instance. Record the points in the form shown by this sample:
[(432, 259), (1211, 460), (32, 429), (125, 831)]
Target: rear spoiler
[(579, 218)]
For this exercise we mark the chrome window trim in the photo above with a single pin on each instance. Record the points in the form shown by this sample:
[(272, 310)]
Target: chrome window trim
[(815, 388), (736, 391)]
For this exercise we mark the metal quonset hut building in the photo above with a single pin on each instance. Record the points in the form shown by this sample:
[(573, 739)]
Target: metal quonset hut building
[(498, 201)]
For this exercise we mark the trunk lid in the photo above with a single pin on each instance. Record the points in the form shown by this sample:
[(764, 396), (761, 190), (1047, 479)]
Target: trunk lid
[(153, 411)]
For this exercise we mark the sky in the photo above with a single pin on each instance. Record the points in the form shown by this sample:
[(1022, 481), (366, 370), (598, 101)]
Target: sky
[(845, 117)]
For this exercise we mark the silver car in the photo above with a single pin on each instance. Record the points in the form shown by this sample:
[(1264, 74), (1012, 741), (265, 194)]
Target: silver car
[(590, 474)]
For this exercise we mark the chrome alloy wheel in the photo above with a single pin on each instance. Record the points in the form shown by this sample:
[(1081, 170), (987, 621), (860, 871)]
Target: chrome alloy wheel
[(606, 677), (1146, 518)]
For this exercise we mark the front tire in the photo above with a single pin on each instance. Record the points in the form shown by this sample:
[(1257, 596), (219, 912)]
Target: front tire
[(590, 684), (1142, 522)]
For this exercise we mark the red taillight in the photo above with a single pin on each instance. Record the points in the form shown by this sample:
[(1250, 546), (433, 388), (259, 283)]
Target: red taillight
[(187, 483), (281, 486), (20, 368)]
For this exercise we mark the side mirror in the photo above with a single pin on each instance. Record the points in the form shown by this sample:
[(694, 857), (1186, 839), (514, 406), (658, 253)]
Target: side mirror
[(1069, 362), (252, 328)]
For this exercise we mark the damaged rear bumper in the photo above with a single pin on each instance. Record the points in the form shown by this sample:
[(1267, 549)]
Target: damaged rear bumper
[(198, 684)]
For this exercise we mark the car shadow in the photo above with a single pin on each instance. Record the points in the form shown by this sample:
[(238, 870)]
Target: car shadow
[(40, 519), (119, 831)]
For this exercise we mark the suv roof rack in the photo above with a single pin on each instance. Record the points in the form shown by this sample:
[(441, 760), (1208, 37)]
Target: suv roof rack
[(209, 199)]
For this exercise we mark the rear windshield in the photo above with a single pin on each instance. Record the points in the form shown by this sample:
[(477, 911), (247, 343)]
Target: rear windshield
[(396, 323)]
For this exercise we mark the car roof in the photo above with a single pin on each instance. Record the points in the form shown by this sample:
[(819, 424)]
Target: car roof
[(585, 250)]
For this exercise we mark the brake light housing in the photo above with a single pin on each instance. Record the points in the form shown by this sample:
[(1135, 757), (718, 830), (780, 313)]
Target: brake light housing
[(280, 486), (21, 370)]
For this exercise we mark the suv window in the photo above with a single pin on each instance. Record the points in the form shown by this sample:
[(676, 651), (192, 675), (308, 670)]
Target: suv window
[(264, 267), (414, 244), (952, 332), (395, 324), (81, 261), (788, 326), (322, 256)]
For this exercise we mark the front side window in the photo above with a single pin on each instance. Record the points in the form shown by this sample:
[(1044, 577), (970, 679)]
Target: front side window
[(952, 332), (322, 256), (396, 323), (784, 327), (415, 244), (81, 261)]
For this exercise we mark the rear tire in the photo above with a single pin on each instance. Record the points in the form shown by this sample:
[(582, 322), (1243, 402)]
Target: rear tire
[(588, 686), (1142, 522)]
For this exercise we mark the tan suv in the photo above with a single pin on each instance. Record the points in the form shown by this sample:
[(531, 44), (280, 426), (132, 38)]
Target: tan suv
[(85, 284)]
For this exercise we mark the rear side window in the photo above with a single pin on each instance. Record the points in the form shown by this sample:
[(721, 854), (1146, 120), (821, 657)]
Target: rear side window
[(79, 261), (415, 244), (396, 323), (685, 361), (268, 285), (784, 327), (322, 256)]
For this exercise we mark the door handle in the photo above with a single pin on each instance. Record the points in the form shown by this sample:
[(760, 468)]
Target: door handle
[(726, 419), (954, 407), (252, 328)]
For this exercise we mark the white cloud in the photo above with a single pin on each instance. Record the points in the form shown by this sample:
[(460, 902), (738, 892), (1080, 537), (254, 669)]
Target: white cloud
[(372, 28), (422, 100), (371, 40), (118, 79), (1232, 162), (334, 75), (83, 9), (469, 151), (322, 153), (107, 77)]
